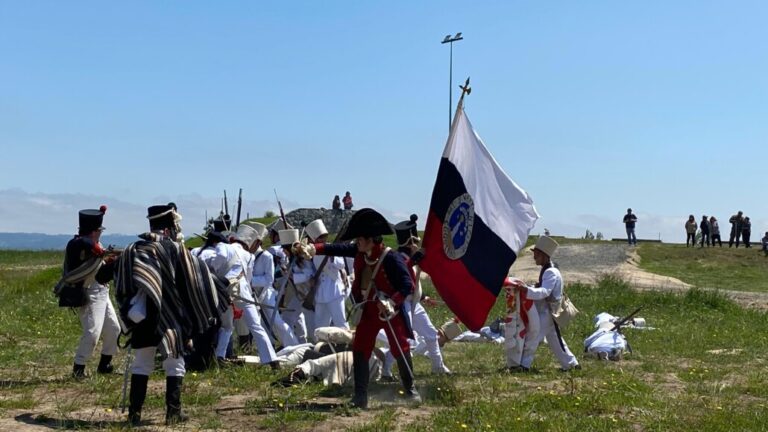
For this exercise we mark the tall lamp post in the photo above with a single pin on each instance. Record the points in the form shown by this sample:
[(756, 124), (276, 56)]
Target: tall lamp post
[(450, 40)]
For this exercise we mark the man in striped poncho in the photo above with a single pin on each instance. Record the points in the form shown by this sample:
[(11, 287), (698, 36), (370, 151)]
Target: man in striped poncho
[(165, 297)]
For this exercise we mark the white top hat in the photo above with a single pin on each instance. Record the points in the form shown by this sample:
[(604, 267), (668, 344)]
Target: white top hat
[(546, 245), (260, 228), (288, 237), (315, 229), (246, 234)]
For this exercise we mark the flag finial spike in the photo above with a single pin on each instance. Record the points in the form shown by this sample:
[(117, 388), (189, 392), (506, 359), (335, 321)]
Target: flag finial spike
[(465, 90)]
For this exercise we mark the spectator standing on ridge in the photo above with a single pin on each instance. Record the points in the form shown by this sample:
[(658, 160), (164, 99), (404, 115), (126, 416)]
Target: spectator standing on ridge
[(714, 232), (746, 232), (690, 229), (705, 228), (347, 200), (629, 221), (736, 221), (765, 243), (336, 205)]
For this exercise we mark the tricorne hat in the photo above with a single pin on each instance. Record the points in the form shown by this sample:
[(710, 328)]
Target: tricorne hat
[(261, 229), (91, 219), (288, 237), (546, 245), (406, 230), (315, 229), (366, 222)]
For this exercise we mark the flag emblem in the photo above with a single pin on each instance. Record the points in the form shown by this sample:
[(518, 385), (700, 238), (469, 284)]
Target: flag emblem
[(457, 227)]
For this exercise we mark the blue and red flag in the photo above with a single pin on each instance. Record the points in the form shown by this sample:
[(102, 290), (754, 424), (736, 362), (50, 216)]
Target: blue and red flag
[(478, 221)]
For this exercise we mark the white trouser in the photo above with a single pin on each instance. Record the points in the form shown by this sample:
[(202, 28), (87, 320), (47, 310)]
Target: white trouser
[(97, 317), (423, 326), (331, 313), (144, 363), (225, 332), (295, 319), (556, 344), (279, 327), (252, 320)]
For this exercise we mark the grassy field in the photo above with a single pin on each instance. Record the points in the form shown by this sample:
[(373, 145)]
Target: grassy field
[(704, 368), (738, 269)]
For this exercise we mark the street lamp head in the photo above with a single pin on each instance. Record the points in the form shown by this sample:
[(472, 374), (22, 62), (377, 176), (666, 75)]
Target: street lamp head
[(458, 36), (447, 39)]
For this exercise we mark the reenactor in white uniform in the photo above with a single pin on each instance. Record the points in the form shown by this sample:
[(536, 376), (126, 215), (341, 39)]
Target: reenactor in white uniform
[(295, 289), (549, 290), (249, 237), (329, 288), (87, 272)]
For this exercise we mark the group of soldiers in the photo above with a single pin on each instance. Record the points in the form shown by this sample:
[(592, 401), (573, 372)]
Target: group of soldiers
[(183, 306)]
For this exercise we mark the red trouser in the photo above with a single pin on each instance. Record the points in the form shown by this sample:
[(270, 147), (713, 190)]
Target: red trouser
[(369, 326)]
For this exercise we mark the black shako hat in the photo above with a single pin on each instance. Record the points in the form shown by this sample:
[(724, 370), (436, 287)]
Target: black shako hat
[(366, 222), (160, 216), (222, 223), (90, 220), (406, 229)]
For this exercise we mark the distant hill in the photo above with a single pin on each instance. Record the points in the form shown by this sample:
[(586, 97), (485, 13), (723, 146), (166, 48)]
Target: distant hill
[(36, 241)]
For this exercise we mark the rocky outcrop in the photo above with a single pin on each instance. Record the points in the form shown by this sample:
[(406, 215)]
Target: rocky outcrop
[(333, 219)]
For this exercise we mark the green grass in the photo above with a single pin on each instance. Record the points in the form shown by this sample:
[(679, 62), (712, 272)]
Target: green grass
[(725, 268), (672, 381)]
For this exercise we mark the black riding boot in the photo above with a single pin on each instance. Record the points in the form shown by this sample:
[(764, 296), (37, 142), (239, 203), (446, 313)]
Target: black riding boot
[(78, 371), (136, 398), (360, 369), (173, 414), (105, 365), (405, 367)]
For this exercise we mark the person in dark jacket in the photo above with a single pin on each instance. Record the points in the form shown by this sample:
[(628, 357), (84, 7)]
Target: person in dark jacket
[(705, 229), (736, 221), (746, 232), (89, 267)]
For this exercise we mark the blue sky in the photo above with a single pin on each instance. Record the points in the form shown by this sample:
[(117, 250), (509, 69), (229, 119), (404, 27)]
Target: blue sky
[(592, 107)]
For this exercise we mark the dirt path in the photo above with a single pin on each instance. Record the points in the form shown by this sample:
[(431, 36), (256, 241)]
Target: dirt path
[(586, 263)]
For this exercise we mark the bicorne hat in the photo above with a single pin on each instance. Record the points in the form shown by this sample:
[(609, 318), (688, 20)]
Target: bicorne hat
[(91, 220), (406, 230), (366, 222)]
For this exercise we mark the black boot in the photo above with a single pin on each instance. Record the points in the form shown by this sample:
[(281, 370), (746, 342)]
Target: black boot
[(405, 367), (136, 398), (78, 371), (105, 365), (173, 414), (360, 370), (245, 343)]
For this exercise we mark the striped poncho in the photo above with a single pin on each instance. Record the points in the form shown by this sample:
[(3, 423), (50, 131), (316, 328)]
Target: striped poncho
[(182, 297)]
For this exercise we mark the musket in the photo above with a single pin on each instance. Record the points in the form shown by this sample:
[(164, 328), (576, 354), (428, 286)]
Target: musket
[(226, 204), (282, 213), (617, 325), (239, 207)]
